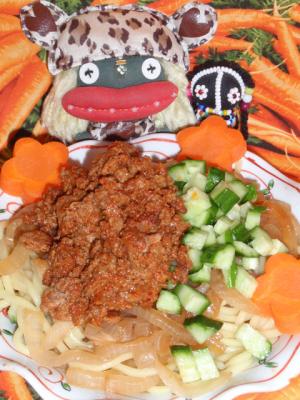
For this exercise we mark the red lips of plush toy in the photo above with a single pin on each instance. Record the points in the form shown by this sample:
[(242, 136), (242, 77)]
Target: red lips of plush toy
[(105, 104)]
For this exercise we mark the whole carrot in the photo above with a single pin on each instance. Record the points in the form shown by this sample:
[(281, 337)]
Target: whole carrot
[(279, 138), (112, 2), (10, 73), (9, 23), (287, 46), (294, 12), (32, 84), (282, 106), (284, 87), (169, 7), (13, 7), (235, 18), (15, 48), (268, 116), (220, 43), (287, 164), (5, 93)]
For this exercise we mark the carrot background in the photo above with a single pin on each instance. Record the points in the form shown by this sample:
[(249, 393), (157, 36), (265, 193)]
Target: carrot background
[(262, 35)]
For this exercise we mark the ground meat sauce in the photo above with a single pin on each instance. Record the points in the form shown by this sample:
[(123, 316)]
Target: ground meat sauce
[(112, 236)]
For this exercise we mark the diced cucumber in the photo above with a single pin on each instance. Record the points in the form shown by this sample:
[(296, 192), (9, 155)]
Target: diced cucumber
[(194, 166), (245, 283), (240, 233), (218, 190), (186, 363), (278, 247), (191, 300), (205, 364), (168, 302), (203, 275), (185, 169), (244, 208), (220, 256), (215, 175), (197, 180), (226, 237), (229, 177), (207, 217), (251, 194), (180, 186), (238, 188), (196, 203), (202, 328), (253, 218), (195, 238), (254, 342), (222, 225), (178, 172), (251, 263), (234, 214), (211, 238), (244, 250), (261, 242), (230, 275), (195, 257), (226, 200)]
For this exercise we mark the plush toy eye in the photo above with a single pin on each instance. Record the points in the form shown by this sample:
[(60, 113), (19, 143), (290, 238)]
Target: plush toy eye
[(151, 68), (89, 73)]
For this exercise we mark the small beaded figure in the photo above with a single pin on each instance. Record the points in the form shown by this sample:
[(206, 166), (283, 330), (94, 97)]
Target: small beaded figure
[(224, 89)]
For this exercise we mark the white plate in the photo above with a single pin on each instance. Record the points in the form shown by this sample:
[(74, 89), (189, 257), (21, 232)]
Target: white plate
[(50, 383)]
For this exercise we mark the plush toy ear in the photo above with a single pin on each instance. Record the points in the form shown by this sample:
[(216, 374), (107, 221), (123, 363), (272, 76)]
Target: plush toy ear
[(196, 23), (40, 22)]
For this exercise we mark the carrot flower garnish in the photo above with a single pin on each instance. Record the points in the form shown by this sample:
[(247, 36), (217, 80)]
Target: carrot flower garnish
[(32, 168)]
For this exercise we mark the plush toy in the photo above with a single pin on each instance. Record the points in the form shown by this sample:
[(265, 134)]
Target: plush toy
[(118, 70), (224, 89)]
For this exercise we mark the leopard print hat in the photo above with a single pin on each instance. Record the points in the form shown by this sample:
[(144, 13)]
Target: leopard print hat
[(96, 33)]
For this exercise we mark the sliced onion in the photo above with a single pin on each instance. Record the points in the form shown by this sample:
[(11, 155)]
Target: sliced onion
[(170, 379), (57, 333), (11, 229), (158, 319), (280, 223), (87, 379), (232, 296), (97, 336), (15, 260), (128, 385)]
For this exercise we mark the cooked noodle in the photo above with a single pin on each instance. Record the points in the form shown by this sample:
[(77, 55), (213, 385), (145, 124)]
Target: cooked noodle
[(128, 357)]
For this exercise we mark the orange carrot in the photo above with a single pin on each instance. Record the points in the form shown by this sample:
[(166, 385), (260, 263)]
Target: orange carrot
[(296, 33), (294, 12), (14, 386), (220, 43), (235, 18), (169, 7), (270, 117), (278, 292), (32, 84), (33, 167), (287, 47), (284, 106), (13, 7), (282, 139), (14, 49), (5, 93), (10, 74), (266, 74), (9, 23), (113, 2), (212, 141), (288, 165)]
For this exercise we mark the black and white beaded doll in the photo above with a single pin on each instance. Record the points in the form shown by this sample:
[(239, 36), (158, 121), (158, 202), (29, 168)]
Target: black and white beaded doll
[(224, 89)]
